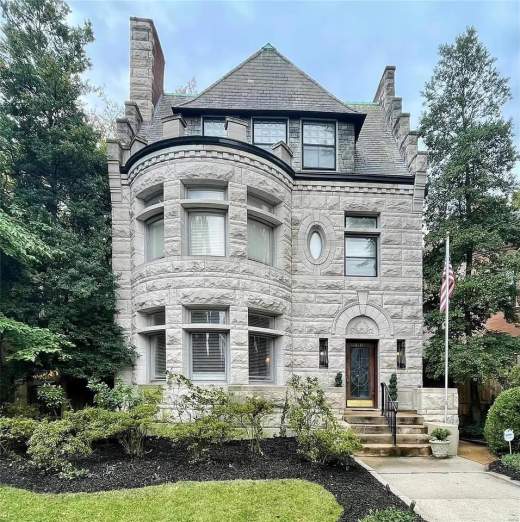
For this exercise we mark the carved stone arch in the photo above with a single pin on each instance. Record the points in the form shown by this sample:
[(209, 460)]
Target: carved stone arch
[(367, 317)]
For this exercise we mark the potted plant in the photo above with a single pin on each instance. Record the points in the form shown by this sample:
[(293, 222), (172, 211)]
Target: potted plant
[(439, 442)]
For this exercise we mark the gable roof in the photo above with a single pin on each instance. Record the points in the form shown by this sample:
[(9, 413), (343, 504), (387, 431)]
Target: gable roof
[(267, 81)]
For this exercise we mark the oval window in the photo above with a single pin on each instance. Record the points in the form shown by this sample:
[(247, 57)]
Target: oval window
[(316, 244)]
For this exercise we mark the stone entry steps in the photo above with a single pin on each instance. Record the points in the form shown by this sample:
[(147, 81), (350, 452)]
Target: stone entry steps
[(372, 428)]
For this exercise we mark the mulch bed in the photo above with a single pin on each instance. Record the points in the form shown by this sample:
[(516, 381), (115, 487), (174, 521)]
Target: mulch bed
[(498, 467), (355, 489)]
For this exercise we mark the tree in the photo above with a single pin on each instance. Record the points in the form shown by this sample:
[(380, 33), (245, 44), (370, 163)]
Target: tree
[(54, 174), (469, 195)]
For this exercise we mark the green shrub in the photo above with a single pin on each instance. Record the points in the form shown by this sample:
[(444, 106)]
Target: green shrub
[(121, 397), (338, 380), (392, 387), (20, 409), (390, 515), (511, 461), (503, 414), (15, 432), (249, 413), (200, 435), (329, 445), (440, 434), (511, 377), (54, 444), (53, 398)]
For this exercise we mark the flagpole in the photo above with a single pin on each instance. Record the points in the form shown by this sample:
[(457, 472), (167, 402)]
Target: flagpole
[(446, 328)]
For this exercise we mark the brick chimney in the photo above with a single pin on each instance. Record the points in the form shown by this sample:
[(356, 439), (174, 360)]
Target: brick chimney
[(146, 66)]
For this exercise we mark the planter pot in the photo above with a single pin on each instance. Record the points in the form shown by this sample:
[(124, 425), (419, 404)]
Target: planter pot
[(440, 448)]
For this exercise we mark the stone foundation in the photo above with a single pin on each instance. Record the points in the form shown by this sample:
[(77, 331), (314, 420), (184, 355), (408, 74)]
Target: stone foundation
[(429, 403)]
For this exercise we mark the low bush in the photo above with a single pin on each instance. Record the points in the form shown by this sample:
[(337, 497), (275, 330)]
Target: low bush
[(511, 377), (249, 414), (440, 434), (53, 398), (200, 435), (511, 461), (121, 397), (504, 414), (15, 432), (20, 409), (329, 445), (54, 444), (390, 515)]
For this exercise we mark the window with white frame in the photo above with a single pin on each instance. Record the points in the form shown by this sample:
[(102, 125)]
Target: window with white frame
[(214, 127), (157, 343), (260, 241), (268, 132), (319, 145), (361, 249), (154, 238), (208, 348), (206, 233)]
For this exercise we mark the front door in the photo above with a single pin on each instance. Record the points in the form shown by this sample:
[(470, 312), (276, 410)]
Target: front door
[(361, 376)]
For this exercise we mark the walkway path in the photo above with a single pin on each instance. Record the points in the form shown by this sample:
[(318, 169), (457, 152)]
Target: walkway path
[(451, 490)]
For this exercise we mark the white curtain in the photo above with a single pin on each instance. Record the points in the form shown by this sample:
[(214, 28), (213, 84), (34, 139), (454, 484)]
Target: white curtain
[(260, 242), (207, 234)]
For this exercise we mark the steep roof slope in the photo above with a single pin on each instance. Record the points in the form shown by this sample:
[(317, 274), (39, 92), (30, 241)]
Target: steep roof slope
[(267, 81)]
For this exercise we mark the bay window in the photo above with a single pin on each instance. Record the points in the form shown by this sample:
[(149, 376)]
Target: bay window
[(319, 145), (154, 238), (260, 241)]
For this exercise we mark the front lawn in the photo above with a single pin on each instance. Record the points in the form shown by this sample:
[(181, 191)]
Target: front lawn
[(238, 500)]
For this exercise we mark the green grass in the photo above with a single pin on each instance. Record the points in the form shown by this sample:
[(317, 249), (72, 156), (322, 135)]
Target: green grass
[(230, 501)]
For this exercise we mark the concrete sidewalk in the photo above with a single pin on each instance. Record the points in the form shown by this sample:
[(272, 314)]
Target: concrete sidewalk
[(451, 490)]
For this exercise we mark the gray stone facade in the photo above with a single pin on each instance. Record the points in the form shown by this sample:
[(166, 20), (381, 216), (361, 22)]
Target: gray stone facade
[(310, 298)]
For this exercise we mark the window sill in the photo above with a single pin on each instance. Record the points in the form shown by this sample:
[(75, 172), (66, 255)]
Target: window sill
[(196, 327), (216, 204), (263, 215), (265, 331), (152, 329), (151, 211)]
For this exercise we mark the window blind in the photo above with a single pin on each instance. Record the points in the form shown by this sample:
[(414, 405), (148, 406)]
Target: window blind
[(158, 355), (259, 241), (260, 358), (260, 320), (208, 355), (208, 316), (207, 231)]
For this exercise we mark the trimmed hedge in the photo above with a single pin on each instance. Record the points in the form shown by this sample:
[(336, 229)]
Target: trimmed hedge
[(503, 415)]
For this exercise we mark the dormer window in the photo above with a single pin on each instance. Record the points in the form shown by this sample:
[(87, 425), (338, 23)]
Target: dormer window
[(268, 132), (319, 145), (214, 127)]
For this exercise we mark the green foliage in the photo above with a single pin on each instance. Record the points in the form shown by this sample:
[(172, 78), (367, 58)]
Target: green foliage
[(469, 194), (249, 412), (504, 414), (329, 445), (440, 434), (20, 409), (121, 397), (201, 435), (390, 515), (15, 433), (54, 444), (511, 461), (510, 377), (46, 141), (53, 397), (283, 415), (392, 387)]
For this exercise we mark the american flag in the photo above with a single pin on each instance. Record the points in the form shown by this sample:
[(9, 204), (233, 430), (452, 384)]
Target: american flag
[(447, 286)]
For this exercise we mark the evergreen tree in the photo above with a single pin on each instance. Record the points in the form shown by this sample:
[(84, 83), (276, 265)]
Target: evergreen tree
[(469, 195), (54, 177)]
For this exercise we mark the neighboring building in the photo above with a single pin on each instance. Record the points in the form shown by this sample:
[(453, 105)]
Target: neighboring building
[(264, 228)]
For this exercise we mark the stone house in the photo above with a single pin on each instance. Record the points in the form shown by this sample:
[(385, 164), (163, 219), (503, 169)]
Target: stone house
[(264, 228)]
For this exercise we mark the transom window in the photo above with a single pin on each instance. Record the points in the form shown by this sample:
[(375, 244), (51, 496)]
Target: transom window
[(154, 198), (258, 202), (360, 222), (319, 145), (260, 241), (214, 127), (156, 318), (268, 132), (206, 193), (154, 238), (208, 349), (207, 233), (158, 355), (258, 320)]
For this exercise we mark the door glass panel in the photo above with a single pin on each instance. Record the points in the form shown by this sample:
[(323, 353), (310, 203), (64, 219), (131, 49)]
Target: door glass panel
[(359, 372)]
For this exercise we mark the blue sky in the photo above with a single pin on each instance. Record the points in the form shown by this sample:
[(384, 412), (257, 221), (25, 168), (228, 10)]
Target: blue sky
[(343, 45)]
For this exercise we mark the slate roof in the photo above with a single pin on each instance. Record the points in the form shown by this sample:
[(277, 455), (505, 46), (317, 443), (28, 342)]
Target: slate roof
[(267, 81), (376, 148)]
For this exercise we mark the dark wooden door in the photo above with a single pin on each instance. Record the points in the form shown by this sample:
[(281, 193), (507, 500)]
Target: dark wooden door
[(361, 374)]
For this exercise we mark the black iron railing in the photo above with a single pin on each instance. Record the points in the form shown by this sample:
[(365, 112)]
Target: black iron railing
[(389, 410)]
